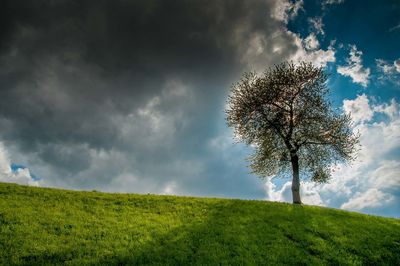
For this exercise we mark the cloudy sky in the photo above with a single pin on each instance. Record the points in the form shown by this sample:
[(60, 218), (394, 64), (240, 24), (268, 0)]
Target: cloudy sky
[(129, 96)]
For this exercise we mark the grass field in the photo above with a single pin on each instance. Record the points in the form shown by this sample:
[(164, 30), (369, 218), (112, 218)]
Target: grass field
[(40, 226)]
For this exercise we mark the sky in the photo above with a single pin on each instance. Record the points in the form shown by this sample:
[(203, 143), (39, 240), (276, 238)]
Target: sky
[(129, 96)]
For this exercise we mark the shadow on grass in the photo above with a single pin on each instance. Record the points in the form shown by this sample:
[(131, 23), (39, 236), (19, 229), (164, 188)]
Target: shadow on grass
[(233, 234), (236, 233)]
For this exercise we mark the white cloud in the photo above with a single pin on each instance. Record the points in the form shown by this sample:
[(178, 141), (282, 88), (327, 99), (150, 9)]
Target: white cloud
[(359, 108), (385, 66), (317, 25), (394, 28), (372, 181), (371, 198), (332, 2), (20, 176), (170, 188), (389, 71), (354, 69), (311, 42), (307, 50), (4, 161), (397, 65), (308, 192), (387, 175), (285, 10), (390, 109), (375, 166), (273, 194), (258, 49), (160, 117)]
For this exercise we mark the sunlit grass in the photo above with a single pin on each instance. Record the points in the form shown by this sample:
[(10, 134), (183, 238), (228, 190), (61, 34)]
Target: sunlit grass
[(41, 226)]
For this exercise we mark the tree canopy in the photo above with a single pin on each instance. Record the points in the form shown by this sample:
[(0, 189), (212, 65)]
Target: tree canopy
[(285, 114)]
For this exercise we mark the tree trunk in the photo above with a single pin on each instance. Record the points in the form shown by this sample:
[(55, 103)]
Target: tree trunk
[(296, 180)]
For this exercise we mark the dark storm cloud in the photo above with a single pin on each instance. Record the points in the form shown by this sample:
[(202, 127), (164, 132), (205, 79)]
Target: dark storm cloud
[(108, 55), (102, 91), (142, 37)]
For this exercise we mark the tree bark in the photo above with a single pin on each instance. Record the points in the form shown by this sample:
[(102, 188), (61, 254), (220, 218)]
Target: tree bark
[(296, 179)]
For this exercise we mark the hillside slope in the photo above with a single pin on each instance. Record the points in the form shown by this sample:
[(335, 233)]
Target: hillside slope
[(48, 226)]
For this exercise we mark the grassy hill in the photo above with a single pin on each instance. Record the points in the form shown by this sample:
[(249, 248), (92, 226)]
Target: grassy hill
[(40, 226)]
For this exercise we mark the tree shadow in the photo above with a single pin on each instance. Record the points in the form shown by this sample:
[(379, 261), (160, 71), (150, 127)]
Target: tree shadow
[(238, 233), (233, 234)]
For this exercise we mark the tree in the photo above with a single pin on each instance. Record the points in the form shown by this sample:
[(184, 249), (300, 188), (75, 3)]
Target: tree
[(285, 115)]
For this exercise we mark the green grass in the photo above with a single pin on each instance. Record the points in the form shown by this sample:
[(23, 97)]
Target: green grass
[(41, 226)]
